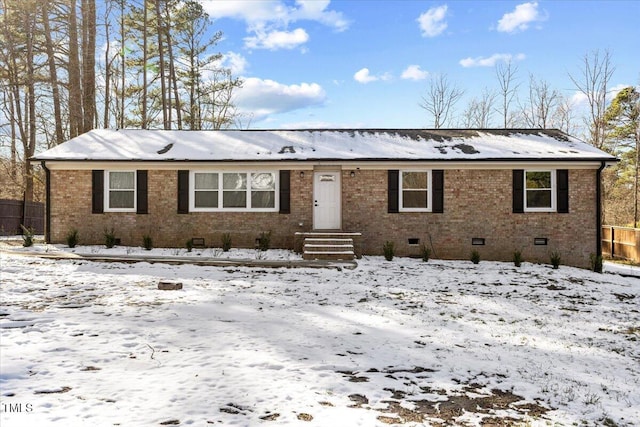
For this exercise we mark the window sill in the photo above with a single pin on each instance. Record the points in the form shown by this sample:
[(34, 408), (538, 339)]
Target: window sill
[(120, 210), (220, 210)]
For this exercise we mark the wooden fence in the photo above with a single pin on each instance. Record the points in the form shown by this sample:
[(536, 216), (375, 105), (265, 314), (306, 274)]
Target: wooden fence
[(621, 243), (14, 213)]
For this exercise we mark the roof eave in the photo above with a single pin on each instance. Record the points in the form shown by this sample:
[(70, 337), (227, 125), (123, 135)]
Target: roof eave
[(608, 160)]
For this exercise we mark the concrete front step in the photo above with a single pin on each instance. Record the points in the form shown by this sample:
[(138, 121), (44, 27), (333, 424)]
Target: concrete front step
[(329, 256), (331, 246)]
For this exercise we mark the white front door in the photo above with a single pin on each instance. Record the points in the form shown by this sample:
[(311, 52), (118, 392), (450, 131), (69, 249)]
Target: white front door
[(326, 200)]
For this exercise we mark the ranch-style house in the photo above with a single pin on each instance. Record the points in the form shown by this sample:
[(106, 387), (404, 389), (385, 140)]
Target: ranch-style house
[(333, 193)]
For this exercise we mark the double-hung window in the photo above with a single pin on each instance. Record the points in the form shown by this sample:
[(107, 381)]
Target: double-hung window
[(415, 191), (540, 191), (206, 190), (120, 191), (233, 191)]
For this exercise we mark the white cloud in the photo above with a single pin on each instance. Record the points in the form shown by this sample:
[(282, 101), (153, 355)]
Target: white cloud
[(252, 12), (580, 100), (364, 76), (414, 72), (235, 62), (277, 39), (491, 60), (269, 19), (432, 22), (320, 125), (519, 20), (315, 10), (262, 98)]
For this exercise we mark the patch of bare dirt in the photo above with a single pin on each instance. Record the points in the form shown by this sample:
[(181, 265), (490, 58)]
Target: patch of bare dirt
[(473, 398)]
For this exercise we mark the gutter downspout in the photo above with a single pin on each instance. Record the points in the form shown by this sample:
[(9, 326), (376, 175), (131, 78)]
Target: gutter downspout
[(599, 209), (47, 202)]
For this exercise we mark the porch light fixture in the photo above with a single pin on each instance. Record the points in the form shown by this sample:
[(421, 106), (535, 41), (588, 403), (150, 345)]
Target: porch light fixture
[(301, 174), (353, 174)]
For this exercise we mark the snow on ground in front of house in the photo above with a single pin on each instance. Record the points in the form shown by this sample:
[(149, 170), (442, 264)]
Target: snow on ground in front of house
[(87, 343), (15, 245)]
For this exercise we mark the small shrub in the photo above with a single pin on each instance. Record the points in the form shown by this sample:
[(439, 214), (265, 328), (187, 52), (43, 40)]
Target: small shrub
[(389, 250), (109, 238), (72, 238), (264, 241), (27, 236), (596, 263), (555, 259), (475, 257), (226, 242), (517, 258), (147, 242), (425, 251), (189, 245)]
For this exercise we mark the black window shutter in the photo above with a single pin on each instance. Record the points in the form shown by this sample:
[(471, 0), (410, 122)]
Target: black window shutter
[(97, 191), (562, 192), (142, 203), (285, 192), (518, 191), (183, 192), (394, 191), (437, 177)]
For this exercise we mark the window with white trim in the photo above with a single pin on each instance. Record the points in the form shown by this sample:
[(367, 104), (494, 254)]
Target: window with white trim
[(206, 190), (540, 191), (120, 191), (415, 191), (233, 191)]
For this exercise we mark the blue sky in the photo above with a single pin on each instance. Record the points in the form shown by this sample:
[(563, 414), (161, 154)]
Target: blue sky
[(358, 63)]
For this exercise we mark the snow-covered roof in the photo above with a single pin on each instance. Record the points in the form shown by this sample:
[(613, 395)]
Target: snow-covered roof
[(336, 144)]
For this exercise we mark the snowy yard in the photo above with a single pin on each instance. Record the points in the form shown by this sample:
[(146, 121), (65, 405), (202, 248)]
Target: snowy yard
[(402, 342)]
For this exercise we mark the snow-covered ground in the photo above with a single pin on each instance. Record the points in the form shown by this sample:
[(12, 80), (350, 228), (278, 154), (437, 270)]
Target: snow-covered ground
[(404, 342)]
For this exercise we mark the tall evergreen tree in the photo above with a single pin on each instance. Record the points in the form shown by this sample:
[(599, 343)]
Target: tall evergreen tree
[(622, 124)]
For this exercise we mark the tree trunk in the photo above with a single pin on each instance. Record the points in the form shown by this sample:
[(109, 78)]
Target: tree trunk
[(53, 75), (144, 66), (75, 91), (30, 142), (122, 65), (107, 72), (172, 74), (88, 64), (163, 83)]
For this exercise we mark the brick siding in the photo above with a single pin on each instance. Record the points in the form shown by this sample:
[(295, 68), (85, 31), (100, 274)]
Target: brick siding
[(477, 203)]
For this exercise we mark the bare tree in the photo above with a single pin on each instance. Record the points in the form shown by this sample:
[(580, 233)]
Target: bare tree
[(593, 83), (216, 104), (440, 99), (540, 105), (506, 74), (563, 116), (479, 110)]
